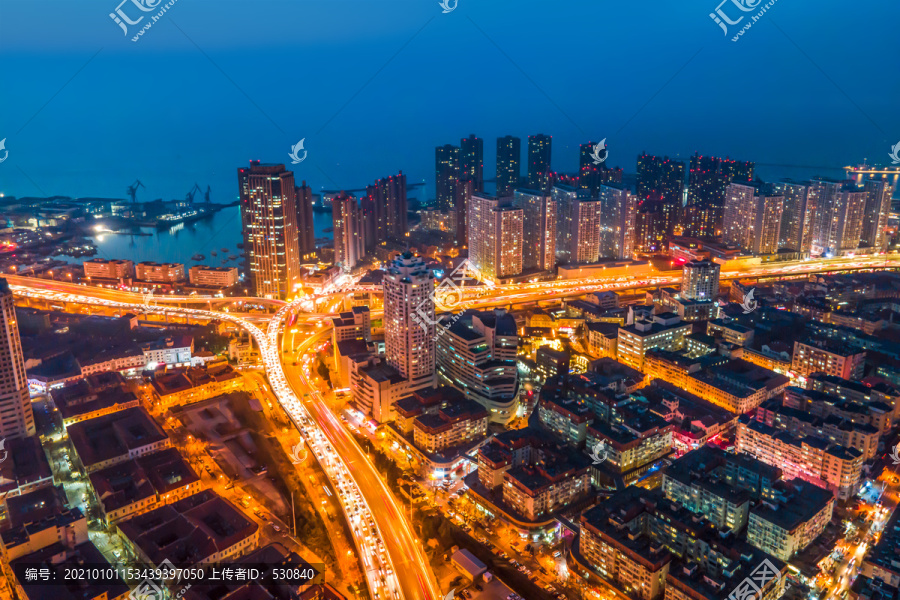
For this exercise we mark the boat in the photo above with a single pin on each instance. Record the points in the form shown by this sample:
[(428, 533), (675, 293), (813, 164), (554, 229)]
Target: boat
[(213, 253), (232, 257), (198, 257), (224, 260), (224, 250), (240, 246)]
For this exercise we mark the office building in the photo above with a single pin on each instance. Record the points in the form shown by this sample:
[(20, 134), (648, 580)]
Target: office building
[(446, 175), (306, 234), (577, 225), (349, 230), (700, 280), (16, 416), (477, 356), (269, 220), (509, 157), (409, 319), (875, 213), (539, 150), (538, 229), (385, 208), (471, 161), (495, 233), (798, 215), (617, 217)]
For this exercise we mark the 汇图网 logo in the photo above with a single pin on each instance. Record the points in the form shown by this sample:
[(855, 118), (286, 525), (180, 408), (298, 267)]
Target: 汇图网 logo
[(448, 5), (749, 304), (295, 153), (894, 154), (600, 153), (600, 452)]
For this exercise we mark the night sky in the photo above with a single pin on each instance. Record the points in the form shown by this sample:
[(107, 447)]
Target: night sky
[(375, 86)]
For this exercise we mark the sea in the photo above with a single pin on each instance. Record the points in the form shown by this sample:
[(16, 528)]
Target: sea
[(181, 242)]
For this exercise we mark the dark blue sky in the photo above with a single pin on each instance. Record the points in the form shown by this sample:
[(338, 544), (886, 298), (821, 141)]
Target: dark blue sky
[(374, 86)]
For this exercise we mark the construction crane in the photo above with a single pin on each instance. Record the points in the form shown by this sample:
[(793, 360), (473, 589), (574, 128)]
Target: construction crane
[(189, 198), (206, 196), (133, 188)]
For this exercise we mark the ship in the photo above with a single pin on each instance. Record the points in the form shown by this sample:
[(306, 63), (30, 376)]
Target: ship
[(213, 253), (198, 257), (224, 250), (232, 257)]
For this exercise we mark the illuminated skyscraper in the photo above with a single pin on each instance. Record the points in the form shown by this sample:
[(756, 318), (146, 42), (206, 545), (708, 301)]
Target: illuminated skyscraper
[(349, 230), (471, 161), (464, 193), (660, 178), (446, 175), (708, 178), (875, 214), (577, 224), (269, 219), (495, 236), (409, 319), (509, 156), (16, 416), (539, 151), (799, 214), (538, 229), (306, 236), (700, 280), (752, 217), (839, 216), (618, 208), (385, 209)]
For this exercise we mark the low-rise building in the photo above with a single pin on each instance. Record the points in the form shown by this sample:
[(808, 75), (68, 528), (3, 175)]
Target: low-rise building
[(25, 468), (825, 356), (352, 325), (39, 519), (636, 442), (60, 563), (666, 331), (452, 425), (787, 524), (153, 272), (214, 277), (112, 270), (116, 437), (602, 338), (93, 396), (140, 485), (829, 466), (219, 530), (172, 350), (186, 385)]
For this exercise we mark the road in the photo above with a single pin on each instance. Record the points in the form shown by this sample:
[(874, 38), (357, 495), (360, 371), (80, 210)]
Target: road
[(407, 557)]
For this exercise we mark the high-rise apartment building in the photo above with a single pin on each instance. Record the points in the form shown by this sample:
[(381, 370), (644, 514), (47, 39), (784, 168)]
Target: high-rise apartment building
[(839, 216), (752, 217), (618, 207), (509, 157), (306, 235), (477, 356), (269, 220), (464, 192), (409, 319), (349, 230), (875, 213), (471, 161), (798, 216), (577, 224), (539, 151), (660, 178), (385, 209), (495, 236), (16, 416), (538, 229), (700, 280), (708, 179), (446, 175)]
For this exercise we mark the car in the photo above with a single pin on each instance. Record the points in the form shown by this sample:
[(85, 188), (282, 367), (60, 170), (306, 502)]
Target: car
[(557, 554)]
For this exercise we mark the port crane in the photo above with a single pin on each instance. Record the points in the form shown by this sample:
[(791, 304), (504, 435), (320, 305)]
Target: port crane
[(206, 195), (189, 198), (133, 188)]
